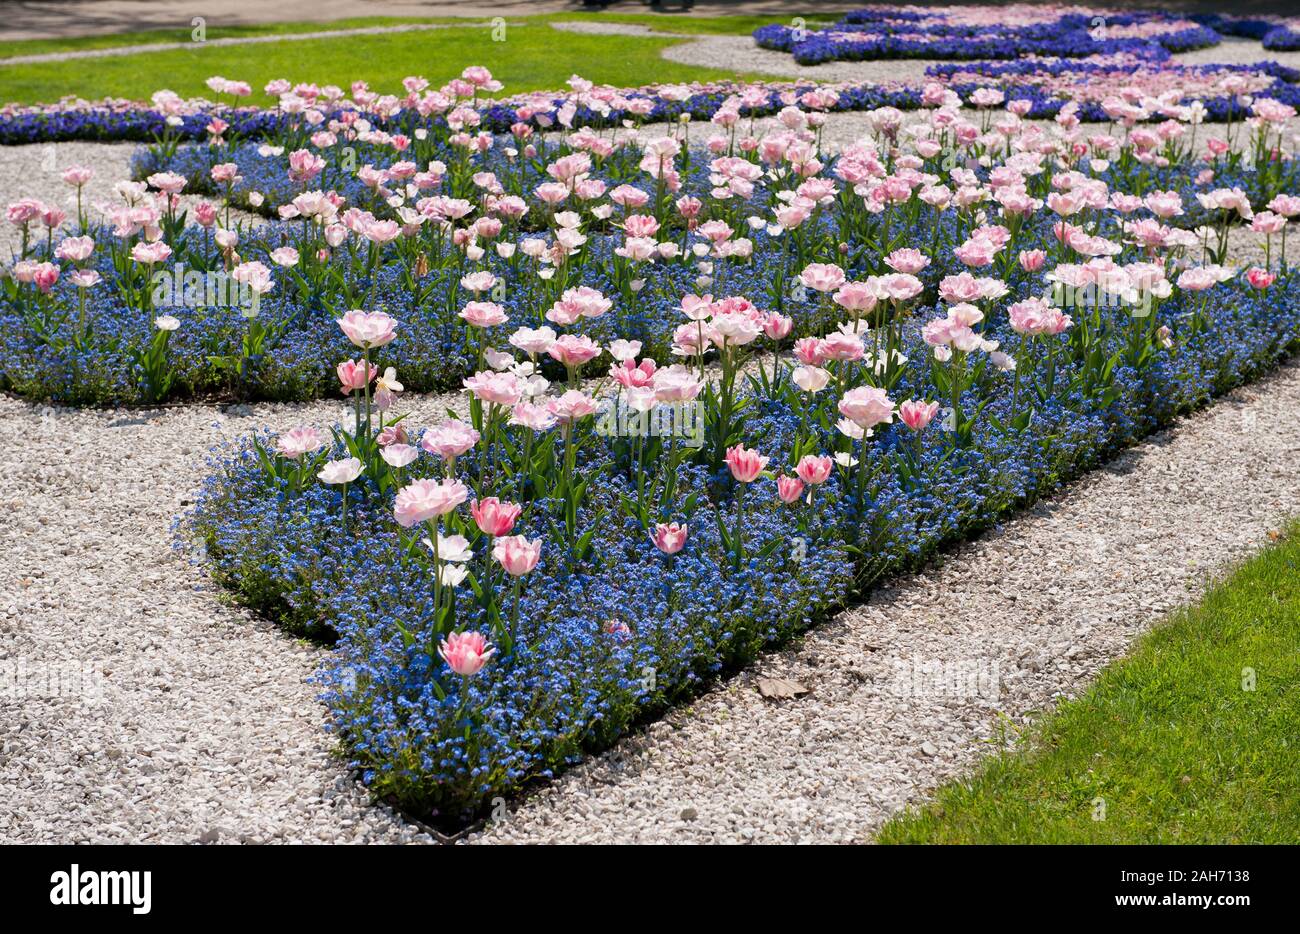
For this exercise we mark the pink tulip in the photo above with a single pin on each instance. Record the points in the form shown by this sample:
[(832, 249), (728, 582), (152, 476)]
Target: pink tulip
[(45, 275), (856, 296), (917, 415), (354, 374), (150, 253), (841, 346), (814, 469), (399, 455), (296, 442), (810, 378), (899, 286), (669, 538), (75, 249), (225, 173), (427, 499), (572, 406), (484, 314), (777, 327), (77, 175), (745, 464), (1260, 278), (305, 165), (532, 416), (495, 388), (789, 489), (449, 440), (494, 517), (368, 329), (907, 260), (580, 302), (205, 212), (867, 406), (676, 383), (1197, 279), (822, 277), (573, 350), (631, 375), (465, 652), (517, 554), (341, 471)]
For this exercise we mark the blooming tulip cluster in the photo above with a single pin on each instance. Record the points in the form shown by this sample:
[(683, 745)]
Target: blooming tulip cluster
[(708, 388)]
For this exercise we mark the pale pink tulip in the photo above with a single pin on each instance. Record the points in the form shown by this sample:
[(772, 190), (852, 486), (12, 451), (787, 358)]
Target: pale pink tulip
[(669, 538), (427, 499), (745, 464), (493, 517), (517, 554), (465, 652)]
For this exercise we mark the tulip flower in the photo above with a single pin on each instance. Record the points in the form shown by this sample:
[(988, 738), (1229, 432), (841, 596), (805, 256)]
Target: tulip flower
[(518, 556), (466, 652), (669, 538), (789, 489), (341, 473)]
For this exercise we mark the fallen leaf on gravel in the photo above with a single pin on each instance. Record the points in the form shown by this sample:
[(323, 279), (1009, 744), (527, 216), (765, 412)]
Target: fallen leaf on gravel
[(780, 688)]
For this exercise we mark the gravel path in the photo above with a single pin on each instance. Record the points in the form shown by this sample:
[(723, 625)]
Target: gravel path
[(739, 53), (190, 719), (234, 40), (1235, 50), (1015, 619)]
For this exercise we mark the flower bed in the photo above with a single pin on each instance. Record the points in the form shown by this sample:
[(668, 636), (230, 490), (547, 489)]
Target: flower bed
[(608, 529), (1282, 39), (399, 220), (1038, 75), (611, 630), (716, 383), (988, 33), (614, 630)]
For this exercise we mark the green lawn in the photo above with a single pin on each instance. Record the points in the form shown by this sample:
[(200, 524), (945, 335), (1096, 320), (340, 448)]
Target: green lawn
[(1169, 738), (533, 56)]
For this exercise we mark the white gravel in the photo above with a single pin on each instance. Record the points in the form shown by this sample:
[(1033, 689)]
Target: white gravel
[(1235, 50), (740, 53), (193, 720)]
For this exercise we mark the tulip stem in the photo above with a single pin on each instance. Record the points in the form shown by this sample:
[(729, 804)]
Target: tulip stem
[(437, 571), (739, 543), (514, 615)]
